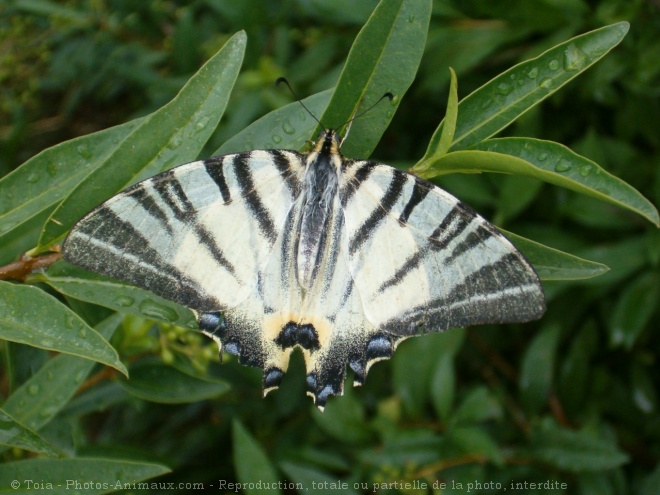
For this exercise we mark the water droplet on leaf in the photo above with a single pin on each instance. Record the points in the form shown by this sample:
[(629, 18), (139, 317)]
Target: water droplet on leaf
[(585, 170), (34, 389), (504, 88), (32, 178), (562, 166), (533, 73), (287, 127), (84, 151), (154, 310), (574, 58), (276, 138), (554, 64), (543, 157), (546, 83), (124, 301)]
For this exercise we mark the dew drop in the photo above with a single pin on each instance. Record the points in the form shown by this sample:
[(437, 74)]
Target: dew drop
[(46, 343), (201, 124), (84, 151), (546, 83), (154, 310), (411, 18), (83, 333), (70, 320), (574, 58), (287, 127), (389, 114), (276, 138), (562, 166), (34, 389), (52, 168), (585, 170), (47, 412), (554, 64), (32, 178), (175, 142), (504, 88), (543, 157), (486, 104), (124, 301), (533, 73)]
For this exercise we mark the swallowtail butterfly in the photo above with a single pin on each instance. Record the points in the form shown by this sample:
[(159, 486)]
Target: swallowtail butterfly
[(276, 249)]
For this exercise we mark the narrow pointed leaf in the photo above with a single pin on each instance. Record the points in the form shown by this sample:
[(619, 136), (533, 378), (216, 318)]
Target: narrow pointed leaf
[(86, 471), (156, 382), (252, 463), (547, 161), (15, 434), (48, 390), (288, 127), (552, 264), (46, 179), (86, 286), (173, 135), (384, 57), (444, 135), (503, 99), (30, 316)]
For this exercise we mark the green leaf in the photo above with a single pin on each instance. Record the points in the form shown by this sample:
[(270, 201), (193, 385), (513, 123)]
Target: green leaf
[(173, 135), (315, 481), (552, 264), (635, 307), (94, 476), (251, 463), (478, 406), (547, 161), (15, 434), (443, 386), (344, 420), (443, 136), (288, 127), (474, 440), (86, 286), (156, 382), (575, 451), (384, 57), (536, 374), (503, 99), (44, 180), (48, 390), (30, 316), (414, 363), (556, 164)]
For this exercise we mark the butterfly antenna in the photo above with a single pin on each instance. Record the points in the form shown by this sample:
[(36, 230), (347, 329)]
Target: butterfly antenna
[(387, 95), (283, 80)]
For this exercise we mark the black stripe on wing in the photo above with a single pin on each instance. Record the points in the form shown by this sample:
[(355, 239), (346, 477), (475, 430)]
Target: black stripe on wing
[(381, 211), (214, 167), (252, 199), (173, 195), (152, 271)]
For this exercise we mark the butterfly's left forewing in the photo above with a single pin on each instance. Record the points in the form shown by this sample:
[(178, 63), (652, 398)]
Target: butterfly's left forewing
[(197, 234)]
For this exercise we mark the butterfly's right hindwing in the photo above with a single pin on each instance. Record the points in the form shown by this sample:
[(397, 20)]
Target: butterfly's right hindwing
[(197, 234)]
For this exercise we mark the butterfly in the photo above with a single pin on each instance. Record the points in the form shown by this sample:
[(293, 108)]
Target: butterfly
[(276, 249)]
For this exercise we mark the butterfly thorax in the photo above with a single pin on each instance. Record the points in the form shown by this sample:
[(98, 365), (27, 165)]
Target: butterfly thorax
[(319, 190)]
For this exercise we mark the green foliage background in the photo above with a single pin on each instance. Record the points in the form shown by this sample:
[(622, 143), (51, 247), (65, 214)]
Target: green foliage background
[(572, 398)]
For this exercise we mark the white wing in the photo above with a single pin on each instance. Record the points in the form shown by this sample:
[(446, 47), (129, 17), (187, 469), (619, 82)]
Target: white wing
[(198, 234), (423, 261)]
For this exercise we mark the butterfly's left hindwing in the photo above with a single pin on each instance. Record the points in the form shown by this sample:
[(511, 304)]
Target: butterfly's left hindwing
[(196, 234)]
